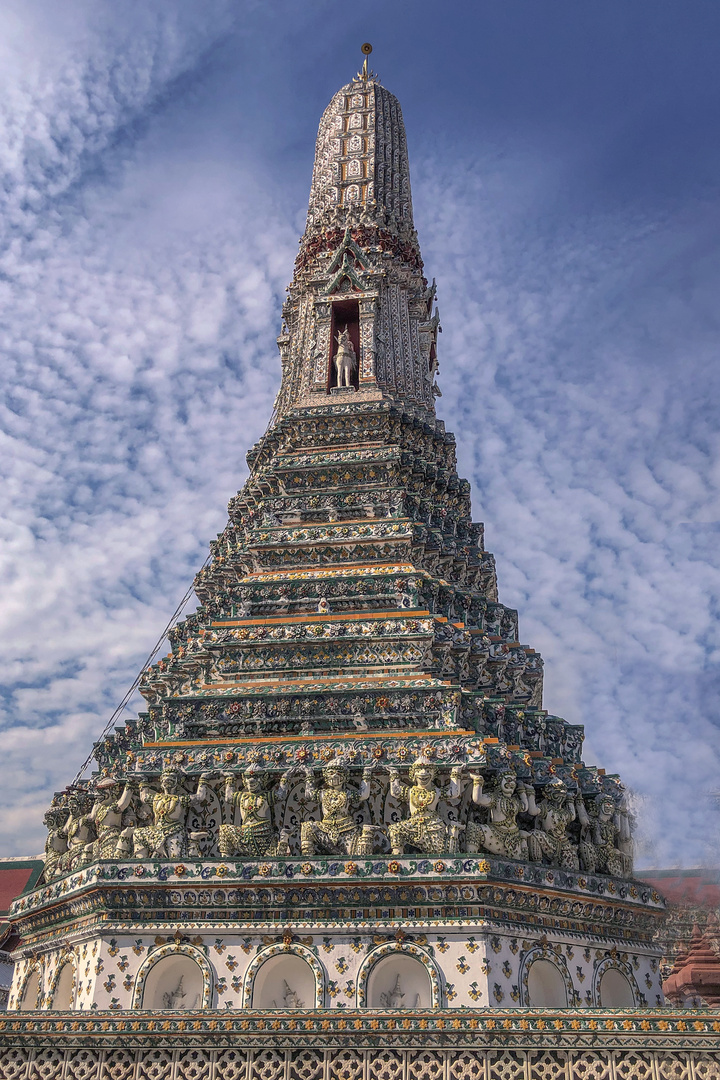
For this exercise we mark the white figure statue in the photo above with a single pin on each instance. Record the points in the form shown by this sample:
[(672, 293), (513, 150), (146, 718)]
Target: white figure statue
[(345, 359), (175, 999), (167, 837), (394, 998), (424, 830), (290, 998), (502, 835)]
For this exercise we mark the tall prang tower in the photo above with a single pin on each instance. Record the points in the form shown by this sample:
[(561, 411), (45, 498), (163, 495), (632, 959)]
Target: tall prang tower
[(345, 792)]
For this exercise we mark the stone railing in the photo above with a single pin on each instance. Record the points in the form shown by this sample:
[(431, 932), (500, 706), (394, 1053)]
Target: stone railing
[(518, 1044)]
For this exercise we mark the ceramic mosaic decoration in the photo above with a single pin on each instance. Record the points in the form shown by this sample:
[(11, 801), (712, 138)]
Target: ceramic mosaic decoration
[(345, 793)]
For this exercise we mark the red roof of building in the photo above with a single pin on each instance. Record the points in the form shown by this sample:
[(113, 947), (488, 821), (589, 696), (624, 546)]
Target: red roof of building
[(685, 888), (16, 877)]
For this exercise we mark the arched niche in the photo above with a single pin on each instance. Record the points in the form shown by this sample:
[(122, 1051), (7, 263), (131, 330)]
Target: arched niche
[(284, 981), (546, 987), (63, 993), (174, 978), (265, 984), (615, 991), (30, 992), (420, 985), (399, 981)]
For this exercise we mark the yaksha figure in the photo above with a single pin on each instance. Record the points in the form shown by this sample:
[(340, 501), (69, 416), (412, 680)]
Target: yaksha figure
[(114, 798), (550, 842), (256, 835), (56, 843), (167, 837), (78, 831), (338, 833), (502, 835), (600, 839), (424, 830), (345, 359)]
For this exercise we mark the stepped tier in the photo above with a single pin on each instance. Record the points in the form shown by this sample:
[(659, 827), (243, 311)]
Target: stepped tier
[(371, 571), (365, 643)]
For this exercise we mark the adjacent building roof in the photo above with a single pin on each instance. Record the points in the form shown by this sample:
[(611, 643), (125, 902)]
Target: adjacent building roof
[(17, 875)]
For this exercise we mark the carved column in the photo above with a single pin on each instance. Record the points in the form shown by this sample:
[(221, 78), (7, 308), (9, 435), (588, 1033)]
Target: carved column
[(321, 352), (368, 344)]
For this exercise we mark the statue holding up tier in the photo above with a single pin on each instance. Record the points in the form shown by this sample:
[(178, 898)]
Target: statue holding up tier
[(256, 836), (78, 830), (114, 798), (550, 842), (56, 843), (167, 837), (337, 833), (502, 835), (345, 359), (600, 840), (424, 830)]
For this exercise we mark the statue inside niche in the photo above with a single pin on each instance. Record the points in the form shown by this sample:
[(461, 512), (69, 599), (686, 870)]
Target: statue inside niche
[(290, 998), (114, 798), (338, 833), (549, 842), (424, 830), (502, 835), (56, 843), (345, 359), (393, 999), (256, 835), (167, 837), (177, 1000), (600, 840), (78, 830)]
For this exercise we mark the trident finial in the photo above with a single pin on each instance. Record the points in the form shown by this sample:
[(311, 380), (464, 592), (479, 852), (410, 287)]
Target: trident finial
[(366, 49)]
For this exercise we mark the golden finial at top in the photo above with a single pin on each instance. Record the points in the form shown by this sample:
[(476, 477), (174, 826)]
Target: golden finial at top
[(366, 49)]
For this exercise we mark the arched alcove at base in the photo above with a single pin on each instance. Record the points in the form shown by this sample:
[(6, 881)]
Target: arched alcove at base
[(28, 999), (63, 997), (399, 981), (285, 981), (546, 986), (615, 991), (174, 983)]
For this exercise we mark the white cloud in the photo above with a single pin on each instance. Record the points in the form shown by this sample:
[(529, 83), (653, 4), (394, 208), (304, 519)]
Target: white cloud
[(141, 366)]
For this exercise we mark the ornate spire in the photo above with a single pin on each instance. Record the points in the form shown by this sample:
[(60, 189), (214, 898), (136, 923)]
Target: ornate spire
[(359, 270), (361, 161)]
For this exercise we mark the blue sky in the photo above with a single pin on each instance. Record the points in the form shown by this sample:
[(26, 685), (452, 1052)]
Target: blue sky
[(155, 166)]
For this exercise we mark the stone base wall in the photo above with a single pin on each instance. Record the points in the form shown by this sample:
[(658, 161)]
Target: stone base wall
[(520, 1044)]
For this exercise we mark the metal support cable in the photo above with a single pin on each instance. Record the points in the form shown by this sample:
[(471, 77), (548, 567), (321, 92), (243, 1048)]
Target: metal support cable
[(178, 611), (136, 682)]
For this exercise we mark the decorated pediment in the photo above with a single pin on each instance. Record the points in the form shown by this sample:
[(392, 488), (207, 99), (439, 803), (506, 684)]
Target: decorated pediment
[(348, 261)]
